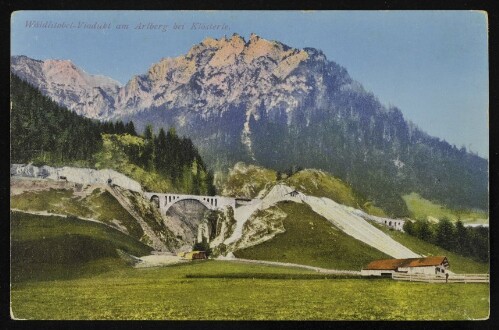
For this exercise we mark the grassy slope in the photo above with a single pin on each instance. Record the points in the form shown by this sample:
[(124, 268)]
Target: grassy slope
[(108, 208), (99, 205), (321, 184), (166, 294), (458, 264), (421, 208), (312, 240), (247, 180), (318, 183), (50, 247), (52, 200)]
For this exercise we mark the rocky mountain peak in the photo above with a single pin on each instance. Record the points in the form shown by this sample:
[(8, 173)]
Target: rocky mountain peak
[(62, 64), (211, 75), (254, 37)]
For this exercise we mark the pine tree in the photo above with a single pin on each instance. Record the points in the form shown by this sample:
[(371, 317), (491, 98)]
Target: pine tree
[(423, 230), (196, 184), (148, 133), (187, 178), (479, 238), (444, 235), (160, 151), (147, 156), (130, 128), (203, 246), (119, 127), (211, 191), (462, 239), (46, 133), (409, 227)]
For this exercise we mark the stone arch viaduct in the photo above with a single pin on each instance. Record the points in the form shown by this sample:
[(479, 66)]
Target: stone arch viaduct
[(165, 201)]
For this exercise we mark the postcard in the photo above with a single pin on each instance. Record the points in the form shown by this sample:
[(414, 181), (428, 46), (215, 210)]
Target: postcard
[(249, 165)]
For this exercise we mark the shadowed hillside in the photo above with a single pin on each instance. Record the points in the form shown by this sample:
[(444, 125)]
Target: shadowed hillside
[(51, 247)]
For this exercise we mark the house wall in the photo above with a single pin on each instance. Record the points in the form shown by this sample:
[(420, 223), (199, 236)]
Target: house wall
[(374, 272), (430, 270), (199, 255), (397, 224)]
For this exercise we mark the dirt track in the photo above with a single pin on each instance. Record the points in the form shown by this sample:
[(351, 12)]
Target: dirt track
[(285, 264), (45, 213)]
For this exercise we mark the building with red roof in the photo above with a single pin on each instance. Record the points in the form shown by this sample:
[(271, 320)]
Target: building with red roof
[(424, 265)]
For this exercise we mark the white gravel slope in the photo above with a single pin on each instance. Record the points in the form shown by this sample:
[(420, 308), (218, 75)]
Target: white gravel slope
[(342, 217), (85, 176), (358, 228), (277, 194)]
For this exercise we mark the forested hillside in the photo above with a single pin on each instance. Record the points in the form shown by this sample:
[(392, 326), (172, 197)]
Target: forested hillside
[(161, 163), (466, 241), (380, 154), (46, 133)]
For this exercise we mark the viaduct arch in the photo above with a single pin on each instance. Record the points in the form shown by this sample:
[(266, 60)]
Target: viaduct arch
[(165, 201)]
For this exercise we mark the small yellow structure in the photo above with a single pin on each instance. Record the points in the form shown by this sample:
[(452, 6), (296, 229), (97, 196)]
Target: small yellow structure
[(193, 255)]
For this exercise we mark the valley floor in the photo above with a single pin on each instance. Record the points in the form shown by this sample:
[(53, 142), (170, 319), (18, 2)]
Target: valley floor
[(199, 291)]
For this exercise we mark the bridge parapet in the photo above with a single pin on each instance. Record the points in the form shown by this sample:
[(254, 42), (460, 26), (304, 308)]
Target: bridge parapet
[(165, 201)]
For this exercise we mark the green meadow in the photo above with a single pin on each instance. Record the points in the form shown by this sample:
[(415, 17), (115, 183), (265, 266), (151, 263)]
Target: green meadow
[(167, 293), (421, 208), (68, 269)]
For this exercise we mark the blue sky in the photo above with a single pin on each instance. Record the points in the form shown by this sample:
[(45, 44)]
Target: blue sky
[(433, 65)]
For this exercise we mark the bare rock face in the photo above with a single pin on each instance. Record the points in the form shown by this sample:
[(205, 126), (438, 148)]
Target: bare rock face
[(89, 95), (216, 76), (187, 216), (212, 75), (260, 227)]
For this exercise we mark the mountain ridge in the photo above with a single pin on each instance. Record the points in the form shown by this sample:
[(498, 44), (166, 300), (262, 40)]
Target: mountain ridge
[(179, 69), (68, 84), (263, 102)]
